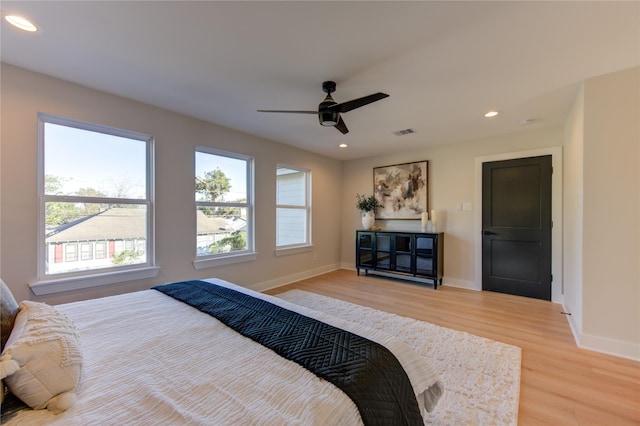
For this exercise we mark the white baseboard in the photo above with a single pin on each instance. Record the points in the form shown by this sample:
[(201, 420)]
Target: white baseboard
[(575, 329), (453, 282), (628, 350), (605, 345), (348, 266), (288, 279)]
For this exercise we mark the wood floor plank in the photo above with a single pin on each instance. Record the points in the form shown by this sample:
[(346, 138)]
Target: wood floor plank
[(561, 384)]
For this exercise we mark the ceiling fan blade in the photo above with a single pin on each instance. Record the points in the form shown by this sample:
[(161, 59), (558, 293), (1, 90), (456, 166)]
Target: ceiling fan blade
[(341, 126), (288, 111), (357, 103)]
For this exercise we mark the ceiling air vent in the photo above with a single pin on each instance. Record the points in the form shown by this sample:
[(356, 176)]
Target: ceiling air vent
[(404, 132)]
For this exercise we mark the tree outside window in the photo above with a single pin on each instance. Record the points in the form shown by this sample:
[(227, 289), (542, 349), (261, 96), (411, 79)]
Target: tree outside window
[(223, 211)]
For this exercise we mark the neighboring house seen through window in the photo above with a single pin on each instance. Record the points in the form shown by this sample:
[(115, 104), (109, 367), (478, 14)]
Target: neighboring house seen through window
[(224, 207), (293, 207), (96, 199)]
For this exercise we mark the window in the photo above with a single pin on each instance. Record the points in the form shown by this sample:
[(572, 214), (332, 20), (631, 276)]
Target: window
[(293, 207), (224, 207), (101, 249), (86, 251), (95, 190), (70, 252)]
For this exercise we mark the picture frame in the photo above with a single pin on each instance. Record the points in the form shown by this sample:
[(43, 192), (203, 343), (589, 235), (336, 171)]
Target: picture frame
[(402, 190)]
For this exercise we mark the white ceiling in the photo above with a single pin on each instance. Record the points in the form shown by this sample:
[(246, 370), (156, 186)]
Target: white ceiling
[(443, 63)]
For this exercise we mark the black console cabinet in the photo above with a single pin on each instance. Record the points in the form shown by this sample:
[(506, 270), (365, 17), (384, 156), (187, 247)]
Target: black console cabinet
[(414, 255)]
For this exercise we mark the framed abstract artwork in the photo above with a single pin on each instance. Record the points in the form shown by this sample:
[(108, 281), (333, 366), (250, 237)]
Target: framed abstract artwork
[(402, 190)]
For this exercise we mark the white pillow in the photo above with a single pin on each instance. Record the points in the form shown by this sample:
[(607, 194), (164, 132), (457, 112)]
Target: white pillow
[(42, 362)]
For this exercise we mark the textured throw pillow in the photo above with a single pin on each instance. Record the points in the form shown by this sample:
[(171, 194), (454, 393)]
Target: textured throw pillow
[(8, 312), (42, 362)]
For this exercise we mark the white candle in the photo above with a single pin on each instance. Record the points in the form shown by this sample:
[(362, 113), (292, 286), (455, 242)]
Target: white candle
[(425, 219), (434, 216)]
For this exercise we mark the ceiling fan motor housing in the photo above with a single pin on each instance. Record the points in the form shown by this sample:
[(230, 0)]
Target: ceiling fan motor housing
[(327, 117)]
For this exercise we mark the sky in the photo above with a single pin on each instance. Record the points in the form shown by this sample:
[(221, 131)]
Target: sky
[(86, 159)]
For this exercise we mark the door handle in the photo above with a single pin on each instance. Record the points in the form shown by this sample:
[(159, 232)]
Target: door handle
[(488, 233)]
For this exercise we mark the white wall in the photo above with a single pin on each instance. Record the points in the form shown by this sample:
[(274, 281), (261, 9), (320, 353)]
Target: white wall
[(611, 226), (25, 93)]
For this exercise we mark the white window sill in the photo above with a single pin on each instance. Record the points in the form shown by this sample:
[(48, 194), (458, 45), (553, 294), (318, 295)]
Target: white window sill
[(212, 262), (60, 285), (285, 251)]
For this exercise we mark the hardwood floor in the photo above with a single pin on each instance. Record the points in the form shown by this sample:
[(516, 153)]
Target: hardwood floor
[(561, 384)]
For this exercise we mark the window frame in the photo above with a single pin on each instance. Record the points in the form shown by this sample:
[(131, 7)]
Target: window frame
[(67, 281), (249, 254), (307, 245)]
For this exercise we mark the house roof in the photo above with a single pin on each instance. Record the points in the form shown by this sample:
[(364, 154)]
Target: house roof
[(216, 225), (112, 224), (130, 223)]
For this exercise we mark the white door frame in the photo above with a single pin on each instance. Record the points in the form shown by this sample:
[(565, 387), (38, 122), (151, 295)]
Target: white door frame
[(556, 214)]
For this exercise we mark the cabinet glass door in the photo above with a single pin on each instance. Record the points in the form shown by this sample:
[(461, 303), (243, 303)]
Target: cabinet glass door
[(424, 254), (365, 249), (383, 251), (403, 252)]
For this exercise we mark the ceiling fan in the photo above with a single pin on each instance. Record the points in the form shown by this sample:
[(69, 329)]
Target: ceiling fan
[(329, 110)]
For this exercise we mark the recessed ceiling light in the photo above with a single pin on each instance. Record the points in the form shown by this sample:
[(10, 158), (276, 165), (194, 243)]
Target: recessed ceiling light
[(20, 22), (491, 114), (343, 145)]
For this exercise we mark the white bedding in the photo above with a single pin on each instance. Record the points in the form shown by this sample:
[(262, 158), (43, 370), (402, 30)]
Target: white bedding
[(150, 359)]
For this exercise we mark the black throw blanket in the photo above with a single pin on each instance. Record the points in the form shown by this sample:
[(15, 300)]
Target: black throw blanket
[(364, 370)]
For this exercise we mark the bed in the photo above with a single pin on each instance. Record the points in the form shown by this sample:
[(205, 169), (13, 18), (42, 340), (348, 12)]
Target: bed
[(148, 358)]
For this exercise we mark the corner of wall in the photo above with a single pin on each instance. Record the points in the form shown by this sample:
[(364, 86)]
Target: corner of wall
[(288, 279), (468, 285), (573, 183)]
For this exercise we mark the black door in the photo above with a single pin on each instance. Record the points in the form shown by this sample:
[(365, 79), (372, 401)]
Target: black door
[(516, 227)]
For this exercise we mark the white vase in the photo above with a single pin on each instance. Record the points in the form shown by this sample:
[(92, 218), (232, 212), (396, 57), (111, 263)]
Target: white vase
[(368, 220)]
